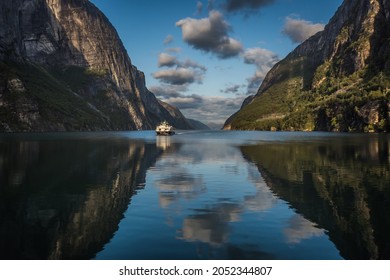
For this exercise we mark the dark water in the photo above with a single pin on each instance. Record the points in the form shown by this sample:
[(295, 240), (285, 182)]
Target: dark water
[(196, 195)]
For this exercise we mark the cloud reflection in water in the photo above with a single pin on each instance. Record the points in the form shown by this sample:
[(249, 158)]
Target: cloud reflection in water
[(298, 229), (184, 178)]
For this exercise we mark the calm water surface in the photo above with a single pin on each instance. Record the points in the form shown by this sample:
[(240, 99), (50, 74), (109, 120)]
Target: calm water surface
[(195, 195)]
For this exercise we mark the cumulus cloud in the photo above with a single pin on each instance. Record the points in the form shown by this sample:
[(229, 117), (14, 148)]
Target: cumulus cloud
[(192, 64), (299, 30), (212, 110), (165, 59), (168, 60), (168, 91), (185, 72), (185, 102), (246, 6), (175, 95), (179, 76), (210, 35), (233, 89), (264, 60)]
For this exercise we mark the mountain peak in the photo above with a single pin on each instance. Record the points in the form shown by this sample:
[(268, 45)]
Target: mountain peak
[(75, 70), (337, 80)]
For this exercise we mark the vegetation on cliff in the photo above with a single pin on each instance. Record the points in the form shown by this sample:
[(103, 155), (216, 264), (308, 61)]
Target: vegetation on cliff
[(63, 67), (337, 80)]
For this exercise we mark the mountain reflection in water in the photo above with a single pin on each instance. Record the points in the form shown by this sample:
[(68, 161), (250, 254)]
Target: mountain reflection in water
[(63, 199), (196, 195), (341, 184)]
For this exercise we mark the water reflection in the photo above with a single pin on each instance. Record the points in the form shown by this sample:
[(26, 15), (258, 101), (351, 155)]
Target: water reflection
[(299, 229), (194, 196), (64, 199), (220, 203), (342, 186), (263, 199), (178, 186), (163, 142), (211, 225)]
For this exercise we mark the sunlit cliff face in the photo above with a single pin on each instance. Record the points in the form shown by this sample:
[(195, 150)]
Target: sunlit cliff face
[(346, 61), (66, 54)]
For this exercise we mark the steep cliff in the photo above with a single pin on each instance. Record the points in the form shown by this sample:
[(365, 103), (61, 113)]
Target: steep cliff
[(337, 80), (64, 67)]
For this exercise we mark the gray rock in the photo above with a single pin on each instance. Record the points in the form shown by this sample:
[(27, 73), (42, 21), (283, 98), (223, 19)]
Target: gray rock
[(56, 35)]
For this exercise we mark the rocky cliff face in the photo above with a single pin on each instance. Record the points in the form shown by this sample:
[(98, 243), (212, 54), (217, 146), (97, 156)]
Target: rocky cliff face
[(337, 80), (64, 67)]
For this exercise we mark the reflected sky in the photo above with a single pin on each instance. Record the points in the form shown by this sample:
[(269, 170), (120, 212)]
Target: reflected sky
[(215, 204), (299, 229), (63, 199), (196, 195)]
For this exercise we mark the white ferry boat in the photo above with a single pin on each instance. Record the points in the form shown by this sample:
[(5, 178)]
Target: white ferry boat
[(164, 129)]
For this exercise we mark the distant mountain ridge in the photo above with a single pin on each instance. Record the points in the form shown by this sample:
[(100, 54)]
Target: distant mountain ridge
[(198, 125), (63, 67), (337, 80)]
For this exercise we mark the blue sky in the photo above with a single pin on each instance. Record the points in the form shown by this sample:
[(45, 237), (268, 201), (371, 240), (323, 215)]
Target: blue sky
[(206, 56)]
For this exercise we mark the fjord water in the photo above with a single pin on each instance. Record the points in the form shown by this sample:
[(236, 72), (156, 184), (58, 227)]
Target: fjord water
[(195, 195)]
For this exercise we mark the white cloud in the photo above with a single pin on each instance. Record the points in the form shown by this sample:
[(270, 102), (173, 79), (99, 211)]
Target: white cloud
[(210, 35), (212, 110), (165, 59), (231, 89), (264, 60), (179, 76), (185, 72), (228, 48), (299, 30)]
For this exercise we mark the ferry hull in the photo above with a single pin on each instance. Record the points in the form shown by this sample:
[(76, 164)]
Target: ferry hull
[(165, 133)]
